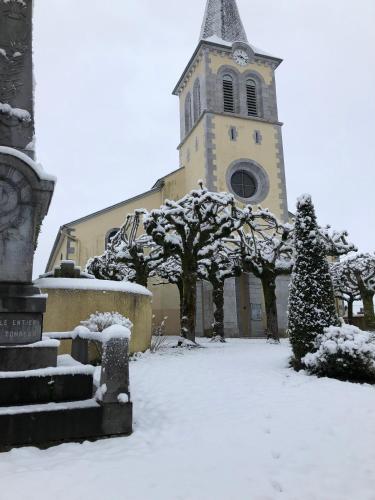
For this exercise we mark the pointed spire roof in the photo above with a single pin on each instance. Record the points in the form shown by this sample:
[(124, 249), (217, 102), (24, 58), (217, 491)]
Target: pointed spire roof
[(222, 21)]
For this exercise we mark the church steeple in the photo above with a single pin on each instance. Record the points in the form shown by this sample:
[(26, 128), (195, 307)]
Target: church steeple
[(222, 21)]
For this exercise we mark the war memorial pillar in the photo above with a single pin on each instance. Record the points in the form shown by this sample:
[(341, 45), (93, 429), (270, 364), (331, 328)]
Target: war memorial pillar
[(25, 189)]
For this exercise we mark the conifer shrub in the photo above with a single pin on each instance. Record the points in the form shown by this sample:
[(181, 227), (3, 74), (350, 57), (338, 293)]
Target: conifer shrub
[(311, 300), (345, 353)]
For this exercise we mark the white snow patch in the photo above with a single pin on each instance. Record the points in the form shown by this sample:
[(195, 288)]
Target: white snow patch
[(37, 167), (51, 372), (91, 284), (101, 392), (21, 114), (123, 398), (16, 410), (230, 421), (45, 342), (110, 333)]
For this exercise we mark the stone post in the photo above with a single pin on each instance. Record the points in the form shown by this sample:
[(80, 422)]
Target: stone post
[(115, 370)]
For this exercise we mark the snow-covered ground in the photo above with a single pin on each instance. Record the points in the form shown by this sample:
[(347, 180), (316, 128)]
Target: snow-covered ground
[(230, 422)]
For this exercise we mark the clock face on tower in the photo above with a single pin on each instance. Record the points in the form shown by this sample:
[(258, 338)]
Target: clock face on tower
[(241, 57)]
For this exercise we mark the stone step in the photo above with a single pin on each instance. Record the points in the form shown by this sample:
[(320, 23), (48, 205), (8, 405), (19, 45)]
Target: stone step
[(54, 423), (64, 383), (35, 356)]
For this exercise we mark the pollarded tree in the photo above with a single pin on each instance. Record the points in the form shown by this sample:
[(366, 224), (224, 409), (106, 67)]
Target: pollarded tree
[(184, 229), (345, 285), (170, 270), (363, 268), (216, 270), (266, 251), (336, 242), (128, 257), (311, 299)]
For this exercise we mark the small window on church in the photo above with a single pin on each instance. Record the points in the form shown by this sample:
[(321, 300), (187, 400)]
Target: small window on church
[(243, 184), (228, 94), (251, 97)]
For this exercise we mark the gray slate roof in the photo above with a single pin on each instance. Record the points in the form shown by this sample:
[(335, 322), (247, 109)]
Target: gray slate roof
[(222, 20)]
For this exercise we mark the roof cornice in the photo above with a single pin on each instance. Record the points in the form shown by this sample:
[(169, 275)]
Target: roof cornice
[(224, 46)]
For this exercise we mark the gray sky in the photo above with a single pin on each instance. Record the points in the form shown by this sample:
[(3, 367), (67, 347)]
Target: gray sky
[(108, 126)]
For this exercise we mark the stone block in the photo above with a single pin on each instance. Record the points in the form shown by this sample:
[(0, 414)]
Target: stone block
[(45, 389), (23, 358), (78, 422), (115, 370)]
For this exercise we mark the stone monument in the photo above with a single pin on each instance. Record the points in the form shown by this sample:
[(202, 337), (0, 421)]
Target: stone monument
[(25, 189), (43, 400)]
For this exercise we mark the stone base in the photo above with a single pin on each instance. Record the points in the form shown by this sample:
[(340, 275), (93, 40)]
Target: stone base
[(21, 313), (44, 428), (23, 358), (45, 389)]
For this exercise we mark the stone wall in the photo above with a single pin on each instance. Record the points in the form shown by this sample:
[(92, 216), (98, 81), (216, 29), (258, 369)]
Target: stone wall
[(66, 308)]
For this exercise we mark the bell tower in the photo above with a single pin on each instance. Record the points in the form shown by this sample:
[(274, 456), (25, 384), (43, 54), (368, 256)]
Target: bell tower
[(230, 131)]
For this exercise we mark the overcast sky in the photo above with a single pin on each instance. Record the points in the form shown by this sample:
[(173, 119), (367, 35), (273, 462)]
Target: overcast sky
[(108, 127)]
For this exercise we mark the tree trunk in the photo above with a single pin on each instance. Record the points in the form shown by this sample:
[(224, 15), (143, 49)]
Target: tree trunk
[(218, 300), (141, 276), (189, 307), (269, 292), (180, 286), (368, 308), (350, 311)]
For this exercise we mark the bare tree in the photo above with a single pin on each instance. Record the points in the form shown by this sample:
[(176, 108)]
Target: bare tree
[(184, 229), (225, 264), (128, 257), (345, 285)]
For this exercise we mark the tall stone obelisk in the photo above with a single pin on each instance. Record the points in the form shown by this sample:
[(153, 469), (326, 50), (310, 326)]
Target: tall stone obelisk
[(25, 189)]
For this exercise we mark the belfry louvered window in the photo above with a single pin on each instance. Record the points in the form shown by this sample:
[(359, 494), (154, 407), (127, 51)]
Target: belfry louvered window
[(251, 98), (228, 94)]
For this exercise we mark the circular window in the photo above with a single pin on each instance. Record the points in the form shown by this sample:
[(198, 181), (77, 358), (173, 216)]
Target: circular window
[(248, 181), (243, 184)]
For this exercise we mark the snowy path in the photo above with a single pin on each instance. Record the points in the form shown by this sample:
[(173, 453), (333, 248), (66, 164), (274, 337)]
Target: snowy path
[(230, 422)]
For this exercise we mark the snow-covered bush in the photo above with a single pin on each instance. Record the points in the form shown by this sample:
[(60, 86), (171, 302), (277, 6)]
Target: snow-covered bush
[(100, 321), (344, 353)]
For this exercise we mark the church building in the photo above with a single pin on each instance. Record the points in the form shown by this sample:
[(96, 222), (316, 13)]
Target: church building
[(231, 138)]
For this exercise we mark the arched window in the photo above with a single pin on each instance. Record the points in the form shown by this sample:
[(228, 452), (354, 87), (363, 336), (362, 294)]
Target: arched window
[(111, 233), (251, 98), (188, 123), (197, 100), (228, 94)]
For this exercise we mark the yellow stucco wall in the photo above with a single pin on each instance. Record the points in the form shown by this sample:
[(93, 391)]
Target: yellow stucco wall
[(90, 233), (192, 156), (244, 147), (66, 308)]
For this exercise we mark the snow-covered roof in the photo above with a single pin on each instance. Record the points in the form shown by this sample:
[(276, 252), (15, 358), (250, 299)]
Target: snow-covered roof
[(36, 167), (222, 20), (222, 25), (95, 285)]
